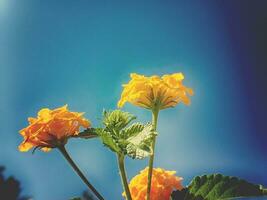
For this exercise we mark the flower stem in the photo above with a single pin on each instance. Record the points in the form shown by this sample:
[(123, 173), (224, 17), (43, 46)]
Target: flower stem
[(155, 114), (124, 176), (78, 171)]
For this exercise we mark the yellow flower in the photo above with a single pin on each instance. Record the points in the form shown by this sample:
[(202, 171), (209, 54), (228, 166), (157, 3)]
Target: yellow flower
[(155, 92), (51, 128), (163, 183)]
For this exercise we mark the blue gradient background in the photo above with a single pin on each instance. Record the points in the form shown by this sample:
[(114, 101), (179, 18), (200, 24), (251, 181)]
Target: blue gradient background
[(80, 52)]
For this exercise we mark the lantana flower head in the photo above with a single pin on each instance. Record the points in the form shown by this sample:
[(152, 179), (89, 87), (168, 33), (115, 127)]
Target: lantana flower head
[(155, 92), (51, 128), (163, 183)]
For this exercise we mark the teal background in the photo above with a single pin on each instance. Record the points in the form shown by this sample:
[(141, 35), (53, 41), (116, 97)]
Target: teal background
[(80, 52)]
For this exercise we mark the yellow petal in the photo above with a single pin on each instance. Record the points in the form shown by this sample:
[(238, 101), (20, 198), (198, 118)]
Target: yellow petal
[(25, 146), (46, 149)]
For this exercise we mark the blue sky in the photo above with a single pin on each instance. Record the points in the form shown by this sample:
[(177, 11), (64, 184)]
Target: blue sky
[(80, 52)]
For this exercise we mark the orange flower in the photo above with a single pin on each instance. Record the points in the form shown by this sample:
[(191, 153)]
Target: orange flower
[(155, 92), (163, 183), (51, 128)]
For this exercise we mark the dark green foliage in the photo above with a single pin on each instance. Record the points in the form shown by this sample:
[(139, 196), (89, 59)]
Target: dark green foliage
[(85, 196), (217, 186), (185, 195), (9, 188)]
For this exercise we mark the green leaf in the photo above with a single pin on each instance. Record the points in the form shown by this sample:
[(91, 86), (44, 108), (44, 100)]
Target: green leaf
[(108, 140), (87, 134), (218, 187), (139, 144), (117, 119), (184, 195), (132, 130), (119, 136)]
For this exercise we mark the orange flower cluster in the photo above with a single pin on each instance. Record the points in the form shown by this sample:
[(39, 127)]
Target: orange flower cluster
[(51, 128), (163, 183), (155, 92)]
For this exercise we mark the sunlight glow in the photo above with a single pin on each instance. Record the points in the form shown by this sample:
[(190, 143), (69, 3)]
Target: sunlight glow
[(3, 7)]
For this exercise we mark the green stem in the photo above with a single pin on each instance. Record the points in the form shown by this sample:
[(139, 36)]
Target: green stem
[(124, 176), (155, 114), (78, 171)]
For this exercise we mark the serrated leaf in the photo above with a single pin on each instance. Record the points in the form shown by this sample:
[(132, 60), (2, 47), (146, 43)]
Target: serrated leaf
[(117, 119), (139, 145), (133, 140), (145, 134), (108, 140), (218, 187), (132, 130)]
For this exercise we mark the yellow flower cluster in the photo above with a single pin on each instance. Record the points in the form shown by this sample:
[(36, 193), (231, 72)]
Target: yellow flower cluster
[(51, 128), (163, 183), (155, 92)]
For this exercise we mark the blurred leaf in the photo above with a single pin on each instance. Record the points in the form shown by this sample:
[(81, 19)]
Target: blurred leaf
[(85, 196), (10, 187), (88, 196), (217, 186)]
